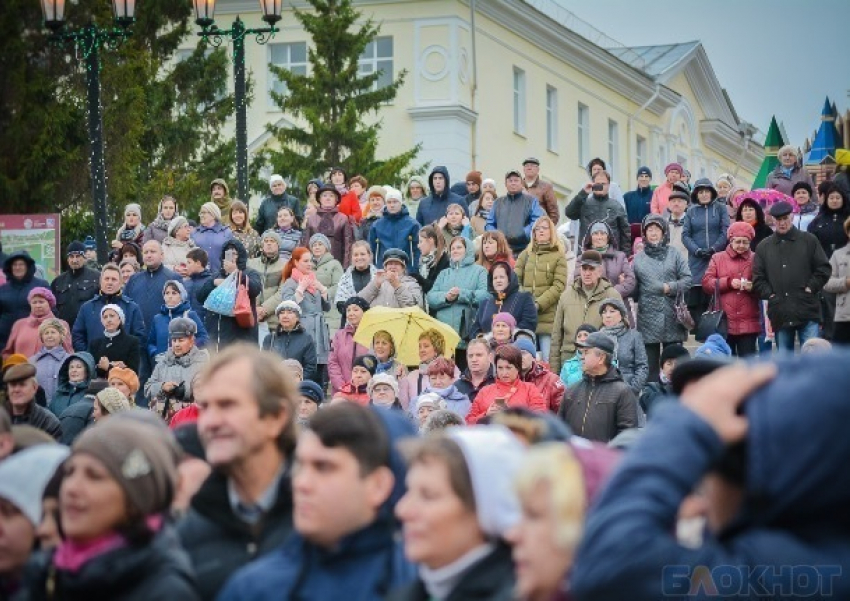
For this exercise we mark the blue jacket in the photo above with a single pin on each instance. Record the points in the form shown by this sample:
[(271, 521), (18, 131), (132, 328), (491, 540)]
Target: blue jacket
[(519, 304), (794, 512), (88, 327), (67, 393), (637, 204), (705, 228), (158, 341), (396, 230), (193, 284), (433, 208), (212, 240), (365, 565), (13, 294), (145, 288)]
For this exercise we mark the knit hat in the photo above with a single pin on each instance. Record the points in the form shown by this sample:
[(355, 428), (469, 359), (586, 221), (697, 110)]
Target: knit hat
[(89, 243), (176, 223), (271, 235), (54, 323), (133, 208), (802, 186), (586, 327), (741, 229), (356, 300), (367, 362), (383, 378), (115, 308), (135, 456), (430, 399), (321, 239), (24, 475), (644, 171), (653, 219), (599, 226), (181, 327), (377, 191), (394, 194), (673, 166), (681, 192), (294, 365), (673, 352), (505, 318), (474, 177), (311, 391), (112, 400), (126, 375), (75, 247), (212, 208), (44, 293), (488, 182), (618, 304), (524, 344), (726, 177), (288, 305), (181, 289), (276, 178), (14, 359)]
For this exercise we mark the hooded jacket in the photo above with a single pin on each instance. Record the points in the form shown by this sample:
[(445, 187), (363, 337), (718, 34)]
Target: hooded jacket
[(549, 385), (341, 359), (588, 208), (433, 207), (742, 307), (600, 407), (13, 294), (792, 513), (471, 279), (542, 271), (363, 566), (222, 329), (88, 327), (76, 418), (225, 203), (294, 344), (517, 303), (396, 230), (614, 263), (158, 339), (145, 288), (705, 229), (413, 205), (72, 288), (212, 239), (828, 227), (171, 368), (67, 393), (267, 213)]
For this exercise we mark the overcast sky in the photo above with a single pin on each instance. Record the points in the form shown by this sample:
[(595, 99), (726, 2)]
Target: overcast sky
[(779, 57)]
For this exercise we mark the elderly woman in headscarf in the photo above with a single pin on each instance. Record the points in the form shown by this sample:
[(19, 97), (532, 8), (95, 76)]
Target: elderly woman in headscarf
[(159, 228)]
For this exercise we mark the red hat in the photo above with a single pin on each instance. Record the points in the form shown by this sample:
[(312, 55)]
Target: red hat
[(741, 229)]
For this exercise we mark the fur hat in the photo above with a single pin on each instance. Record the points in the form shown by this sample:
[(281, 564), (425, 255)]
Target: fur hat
[(126, 375), (115, 308), (377, 191), (54, 323)]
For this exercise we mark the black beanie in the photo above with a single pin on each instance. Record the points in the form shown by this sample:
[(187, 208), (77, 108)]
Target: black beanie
[(673, 351), (367, 362)]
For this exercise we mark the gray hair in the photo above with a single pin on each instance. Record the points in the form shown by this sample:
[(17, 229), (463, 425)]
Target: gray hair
[(787, 148)]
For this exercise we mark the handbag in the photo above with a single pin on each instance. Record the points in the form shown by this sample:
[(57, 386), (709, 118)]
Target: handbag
[(242, 312), (223, 298), (683, 315), (714, 320)]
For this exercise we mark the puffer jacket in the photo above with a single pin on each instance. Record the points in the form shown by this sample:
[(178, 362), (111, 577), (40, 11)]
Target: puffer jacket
[(171, 368), (614, 263), (158, 339), (271, 274), (212, 239), (542, 271), (514, 301), (630, 356), (575, 307), (396, 230), (68, 393), (329, 273), (600, 407), (313, 307), (705, 229), (341, 359), (76, 418), (656, 317), (549, 385), (13, 294), (741, 306), (294, 344), (472, 281), (517, 394), (337, 227)]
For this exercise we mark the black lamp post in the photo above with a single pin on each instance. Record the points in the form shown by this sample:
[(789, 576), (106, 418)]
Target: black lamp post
[(87, 41), (204, 17)]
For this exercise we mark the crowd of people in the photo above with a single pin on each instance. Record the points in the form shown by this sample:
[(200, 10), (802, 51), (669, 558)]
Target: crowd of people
[(207, 416)]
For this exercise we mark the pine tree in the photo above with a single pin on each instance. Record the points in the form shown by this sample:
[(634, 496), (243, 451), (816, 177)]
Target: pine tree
[(333, 102)]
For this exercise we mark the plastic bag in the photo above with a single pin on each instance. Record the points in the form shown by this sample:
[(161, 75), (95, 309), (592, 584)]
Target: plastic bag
[(223, 299)]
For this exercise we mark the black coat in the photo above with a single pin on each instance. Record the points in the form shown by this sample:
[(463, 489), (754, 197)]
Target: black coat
[(75, 419), (784, 267), (427, 283), (600, 407), (491, 579), (72, 289), (298, 345), (828, 228), (219, 543), (39, 417), (123, 347), (159, 570), (761, 228), (13, 294)]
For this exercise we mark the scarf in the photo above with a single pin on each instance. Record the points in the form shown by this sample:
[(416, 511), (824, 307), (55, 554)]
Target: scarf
[(387, 367), (662, 378), (426, 262), (655, 251), (112, 335), (616, 331), (297, 275), (441, 582), (809, 207), (71, 556), (601, 249), (160, 223), (454, 231)]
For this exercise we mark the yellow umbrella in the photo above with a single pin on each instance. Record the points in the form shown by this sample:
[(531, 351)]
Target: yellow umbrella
[(405, 326), (842, 156)]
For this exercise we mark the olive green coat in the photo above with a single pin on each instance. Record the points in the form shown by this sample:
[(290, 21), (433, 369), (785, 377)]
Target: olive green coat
[(542, 271)]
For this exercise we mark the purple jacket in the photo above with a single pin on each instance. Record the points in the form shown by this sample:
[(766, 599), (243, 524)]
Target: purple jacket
[(343, 352), (615, 263), (212, 240), (777, 180)]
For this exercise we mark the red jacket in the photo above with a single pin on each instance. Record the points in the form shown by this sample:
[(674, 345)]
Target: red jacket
[(741, 307), (518, 394), (549, 385), (353, 394), (350, 205), (187, 415)]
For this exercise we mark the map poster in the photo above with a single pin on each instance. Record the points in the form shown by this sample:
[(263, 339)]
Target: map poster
[(36, 234)]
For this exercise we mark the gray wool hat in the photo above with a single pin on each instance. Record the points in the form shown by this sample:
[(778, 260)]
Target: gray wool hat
[(321, 239), (273, 235), (616, 303), (176, 224)]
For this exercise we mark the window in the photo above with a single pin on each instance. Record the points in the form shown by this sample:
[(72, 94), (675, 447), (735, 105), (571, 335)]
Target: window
[(292, 57), (641, 152), (583, 134), (613, 147), (519, 101), (551, 119), (378, 57)]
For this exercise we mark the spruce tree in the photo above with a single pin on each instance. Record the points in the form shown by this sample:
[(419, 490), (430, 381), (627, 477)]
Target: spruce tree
[(332, 101)]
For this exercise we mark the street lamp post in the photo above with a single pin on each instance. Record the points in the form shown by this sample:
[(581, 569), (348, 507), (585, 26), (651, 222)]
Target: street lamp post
[(204, 18), (88, 42)]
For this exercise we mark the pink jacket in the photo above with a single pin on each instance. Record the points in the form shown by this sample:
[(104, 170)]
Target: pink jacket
[(24, 338), (660, 198), (343, 352), (410, 386), (741, 307)]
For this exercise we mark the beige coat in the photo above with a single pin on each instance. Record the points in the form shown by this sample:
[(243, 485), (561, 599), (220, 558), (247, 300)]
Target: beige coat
[(837, 283)]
